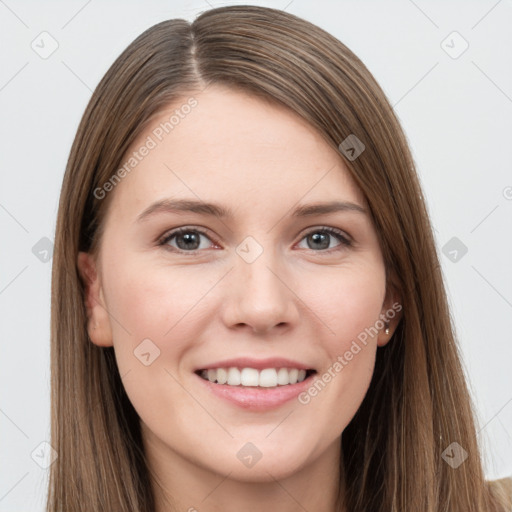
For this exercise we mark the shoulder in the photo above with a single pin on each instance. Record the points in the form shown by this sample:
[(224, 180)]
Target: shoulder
[(502, 488)]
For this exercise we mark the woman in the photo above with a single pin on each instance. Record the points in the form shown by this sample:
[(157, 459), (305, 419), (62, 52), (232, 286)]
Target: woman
[(247, 308)]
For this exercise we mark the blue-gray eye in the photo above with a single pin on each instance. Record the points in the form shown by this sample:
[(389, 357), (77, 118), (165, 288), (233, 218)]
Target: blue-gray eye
[(319, 239), (189, 239)]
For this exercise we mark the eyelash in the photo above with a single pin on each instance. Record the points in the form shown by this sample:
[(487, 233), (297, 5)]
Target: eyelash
[(339, 235)]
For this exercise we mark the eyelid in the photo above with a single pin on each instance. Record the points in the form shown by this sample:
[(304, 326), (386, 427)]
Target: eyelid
[(346, 238)]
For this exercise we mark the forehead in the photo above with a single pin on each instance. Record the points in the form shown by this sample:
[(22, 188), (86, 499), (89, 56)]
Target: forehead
[(232, 147)]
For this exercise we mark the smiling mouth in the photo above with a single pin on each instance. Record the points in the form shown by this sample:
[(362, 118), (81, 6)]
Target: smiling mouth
[(251, 377)]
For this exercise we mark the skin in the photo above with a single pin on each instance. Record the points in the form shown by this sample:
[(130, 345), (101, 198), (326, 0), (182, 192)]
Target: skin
[(295, 300)]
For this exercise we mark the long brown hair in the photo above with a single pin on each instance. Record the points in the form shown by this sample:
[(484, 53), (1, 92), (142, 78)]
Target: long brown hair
[(418, 402)]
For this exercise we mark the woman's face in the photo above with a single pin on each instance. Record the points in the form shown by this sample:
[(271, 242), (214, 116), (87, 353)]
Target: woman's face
[(263, 284)]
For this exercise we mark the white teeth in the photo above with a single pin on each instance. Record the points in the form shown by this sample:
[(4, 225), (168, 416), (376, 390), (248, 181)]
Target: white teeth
[(234, 377), (267, 378), (222, 376), (282, 377), (249, 377)]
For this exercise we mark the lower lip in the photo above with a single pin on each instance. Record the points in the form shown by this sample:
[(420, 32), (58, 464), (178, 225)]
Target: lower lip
[(257, 399)]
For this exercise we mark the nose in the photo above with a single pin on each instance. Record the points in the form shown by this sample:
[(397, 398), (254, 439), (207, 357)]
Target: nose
[(259, 298)]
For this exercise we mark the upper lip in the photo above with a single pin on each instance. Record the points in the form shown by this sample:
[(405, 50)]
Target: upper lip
[(258, 364)]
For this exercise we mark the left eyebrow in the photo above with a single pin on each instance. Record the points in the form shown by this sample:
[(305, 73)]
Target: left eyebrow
[(216, 210), (323, 208)]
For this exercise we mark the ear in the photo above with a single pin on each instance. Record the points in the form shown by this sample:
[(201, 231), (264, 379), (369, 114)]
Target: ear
[(391, 315), (98, 321)]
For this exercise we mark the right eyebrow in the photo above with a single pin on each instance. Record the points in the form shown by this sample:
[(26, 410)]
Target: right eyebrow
[(185, 205)]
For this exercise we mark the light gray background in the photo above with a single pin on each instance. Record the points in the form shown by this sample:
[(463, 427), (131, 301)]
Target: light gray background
[(456, 112)]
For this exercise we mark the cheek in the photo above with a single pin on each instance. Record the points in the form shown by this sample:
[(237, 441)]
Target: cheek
[(153, 301), (349, 303), (154, 312), (349, 306)]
